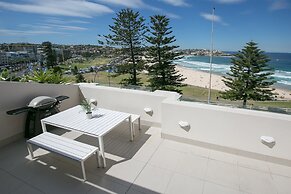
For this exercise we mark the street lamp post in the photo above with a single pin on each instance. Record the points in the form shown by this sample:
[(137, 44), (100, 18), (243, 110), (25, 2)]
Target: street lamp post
[(211, 56)]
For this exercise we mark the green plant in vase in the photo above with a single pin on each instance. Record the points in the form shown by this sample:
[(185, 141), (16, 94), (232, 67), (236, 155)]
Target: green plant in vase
[(86, 106)]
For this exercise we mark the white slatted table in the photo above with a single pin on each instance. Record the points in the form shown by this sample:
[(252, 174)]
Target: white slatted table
[(103, 121)]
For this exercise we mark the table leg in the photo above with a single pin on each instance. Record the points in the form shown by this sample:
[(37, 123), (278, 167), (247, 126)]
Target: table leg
[(102, 152), (83, 170), (130, 128), (43, 126), (133, 130)]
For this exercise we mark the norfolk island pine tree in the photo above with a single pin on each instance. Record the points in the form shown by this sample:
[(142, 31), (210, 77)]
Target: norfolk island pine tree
[(161, 54), (250, 76)]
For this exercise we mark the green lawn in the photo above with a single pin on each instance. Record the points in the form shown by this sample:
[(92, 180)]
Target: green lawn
[(195, 93), (198, 93), (277, 104), (104, 78)]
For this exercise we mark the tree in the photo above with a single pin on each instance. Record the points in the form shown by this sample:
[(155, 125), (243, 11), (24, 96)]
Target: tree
[(66, 54), (6, 75), (162, 72), (48, 76), (249, 77), (49, 54), (75, 70), (78, 76), (128, 33)]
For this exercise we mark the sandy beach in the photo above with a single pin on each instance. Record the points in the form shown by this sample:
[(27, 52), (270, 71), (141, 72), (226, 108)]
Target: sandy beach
[(201, 79)]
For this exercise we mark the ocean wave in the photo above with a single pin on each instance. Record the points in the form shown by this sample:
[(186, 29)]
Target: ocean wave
[(203, 65), (284, 82), (282, 75), (204, 69), (283, 72)]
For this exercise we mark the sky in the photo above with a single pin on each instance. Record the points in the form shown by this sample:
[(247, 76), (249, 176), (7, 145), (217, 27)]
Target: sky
[(236, 22)]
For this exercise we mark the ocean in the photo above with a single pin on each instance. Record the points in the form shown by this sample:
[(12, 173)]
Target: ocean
[(280, 62)]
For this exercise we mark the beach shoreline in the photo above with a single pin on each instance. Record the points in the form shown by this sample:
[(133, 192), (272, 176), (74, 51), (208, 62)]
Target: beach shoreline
[(201, 79)]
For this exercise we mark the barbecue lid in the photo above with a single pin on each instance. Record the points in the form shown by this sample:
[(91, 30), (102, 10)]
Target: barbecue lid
[(41, 101)]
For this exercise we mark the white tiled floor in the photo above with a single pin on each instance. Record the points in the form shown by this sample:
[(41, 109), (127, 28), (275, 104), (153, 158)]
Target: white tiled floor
[(153, 178), (192, 166), (210, 188), (254, 181), (184, 184), (222, 173), (150, 164)]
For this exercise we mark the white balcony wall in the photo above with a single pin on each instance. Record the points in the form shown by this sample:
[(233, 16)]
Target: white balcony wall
[(131, 101), (230, 129), (17, 94), (227, 129)]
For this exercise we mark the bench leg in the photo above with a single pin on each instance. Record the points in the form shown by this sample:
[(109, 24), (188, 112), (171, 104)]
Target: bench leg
[(30, 150), (133, 130), (139, 123), (83, 170), (98, 158)]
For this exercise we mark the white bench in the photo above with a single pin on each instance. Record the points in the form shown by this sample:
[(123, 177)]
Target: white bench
[(64, 146)]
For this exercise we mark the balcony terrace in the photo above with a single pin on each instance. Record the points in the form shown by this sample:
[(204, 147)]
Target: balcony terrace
[(220, 152)]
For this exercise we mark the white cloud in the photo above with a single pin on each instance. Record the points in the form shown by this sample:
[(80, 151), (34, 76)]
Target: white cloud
[(278, 5), (75, 8), (54, 20), (130, 4), (228, 1), (141, 5), (176, 2), (66, 27), (49, 26), (9, 32), (126, 3), (172, 15), (215, 18)]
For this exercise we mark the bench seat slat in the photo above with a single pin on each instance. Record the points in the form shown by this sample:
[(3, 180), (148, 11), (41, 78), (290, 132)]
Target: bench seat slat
[(62, 141), (64, 146)]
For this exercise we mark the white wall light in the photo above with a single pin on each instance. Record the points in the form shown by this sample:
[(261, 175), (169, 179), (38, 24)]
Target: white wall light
[(148, 111), (184, 125), (268, 141)]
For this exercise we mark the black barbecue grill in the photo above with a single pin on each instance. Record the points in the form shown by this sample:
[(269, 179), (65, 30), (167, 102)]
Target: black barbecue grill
[(38, 108)]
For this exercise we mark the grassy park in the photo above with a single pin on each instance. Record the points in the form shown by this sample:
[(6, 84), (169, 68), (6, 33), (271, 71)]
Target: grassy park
[(88, 63)]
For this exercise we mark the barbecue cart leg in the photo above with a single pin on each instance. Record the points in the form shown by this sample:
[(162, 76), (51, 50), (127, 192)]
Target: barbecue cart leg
[(43, 126), (30, 150)]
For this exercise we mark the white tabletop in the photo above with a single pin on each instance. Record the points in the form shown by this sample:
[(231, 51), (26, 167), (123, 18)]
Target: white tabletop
[(75, 119)]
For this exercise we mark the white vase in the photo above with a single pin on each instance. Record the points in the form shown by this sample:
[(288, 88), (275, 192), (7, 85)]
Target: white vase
[(89, 115)]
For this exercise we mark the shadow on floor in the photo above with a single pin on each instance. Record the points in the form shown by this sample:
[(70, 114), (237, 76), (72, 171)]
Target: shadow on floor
[(51, 173)]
